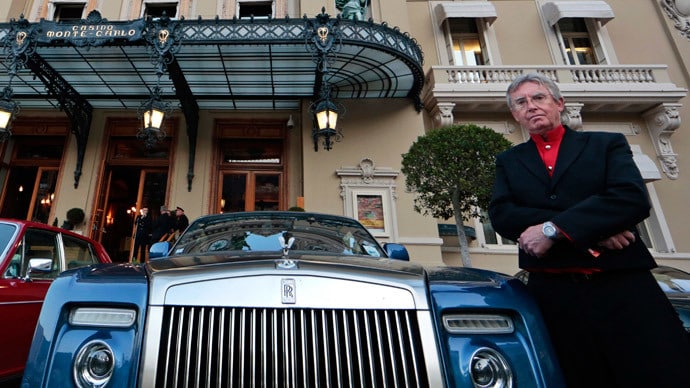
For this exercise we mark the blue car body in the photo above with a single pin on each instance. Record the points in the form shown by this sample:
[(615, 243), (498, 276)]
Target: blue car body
[(466, 327)]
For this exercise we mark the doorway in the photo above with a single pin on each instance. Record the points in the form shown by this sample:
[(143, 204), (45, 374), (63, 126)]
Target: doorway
[(124, 191), (31, 177)]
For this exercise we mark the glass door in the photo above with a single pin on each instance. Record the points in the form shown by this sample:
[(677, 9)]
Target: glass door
[(249, 191)]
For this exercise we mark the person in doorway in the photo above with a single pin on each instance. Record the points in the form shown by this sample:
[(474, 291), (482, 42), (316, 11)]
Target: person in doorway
[(164, 226), (181, 220), (572, 201), (142, 235)]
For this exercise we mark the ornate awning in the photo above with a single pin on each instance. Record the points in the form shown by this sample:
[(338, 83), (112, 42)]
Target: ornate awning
[(239, 64), (228, 64)]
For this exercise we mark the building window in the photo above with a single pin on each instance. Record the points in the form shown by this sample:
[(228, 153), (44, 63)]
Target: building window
[(579, 42), (487, 236), (68, 12), (466, 44), (157, 10), (466, 27), (255, 9)]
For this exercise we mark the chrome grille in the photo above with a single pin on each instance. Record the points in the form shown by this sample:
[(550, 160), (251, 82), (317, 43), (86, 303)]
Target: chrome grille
[(268, 347)]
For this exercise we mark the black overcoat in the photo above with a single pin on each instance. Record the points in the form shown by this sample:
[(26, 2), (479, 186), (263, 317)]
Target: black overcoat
[(595, 192)]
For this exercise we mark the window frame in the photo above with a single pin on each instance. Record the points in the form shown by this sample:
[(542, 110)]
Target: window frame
[(482, 226), (160, 4), (598, 50), (461, 38), (599, 37), (239, 3), (55, 5)]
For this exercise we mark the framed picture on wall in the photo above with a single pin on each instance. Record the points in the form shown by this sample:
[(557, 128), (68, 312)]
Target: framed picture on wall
[(372, 210)]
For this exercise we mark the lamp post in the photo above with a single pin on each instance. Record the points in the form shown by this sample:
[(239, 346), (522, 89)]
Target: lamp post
[(323, 39), (164, 40), (18, 45), (8, 112)]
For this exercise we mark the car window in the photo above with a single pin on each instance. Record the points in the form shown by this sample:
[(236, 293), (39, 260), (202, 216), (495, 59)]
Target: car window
[(41, 244), (258, 233), (6, 233), (78, 253)]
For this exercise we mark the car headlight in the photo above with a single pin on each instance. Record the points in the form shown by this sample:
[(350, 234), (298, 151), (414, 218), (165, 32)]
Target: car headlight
[(94, 365), (102, 317), (488, 369)]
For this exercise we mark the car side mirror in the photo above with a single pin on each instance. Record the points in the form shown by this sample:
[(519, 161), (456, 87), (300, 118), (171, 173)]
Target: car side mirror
[(159, 249), (396, 251), (38, 266)]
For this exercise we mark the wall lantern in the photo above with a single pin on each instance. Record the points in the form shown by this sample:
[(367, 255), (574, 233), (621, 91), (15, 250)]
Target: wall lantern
[(326, 114), (8, 112), (153, 112)]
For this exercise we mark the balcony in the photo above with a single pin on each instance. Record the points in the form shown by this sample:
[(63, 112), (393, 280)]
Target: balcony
[(599, 88)]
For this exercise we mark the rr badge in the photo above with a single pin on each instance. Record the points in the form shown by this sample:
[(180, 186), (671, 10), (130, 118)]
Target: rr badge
[(288, 291)]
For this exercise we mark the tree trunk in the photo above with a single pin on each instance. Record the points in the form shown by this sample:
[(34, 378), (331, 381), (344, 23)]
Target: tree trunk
[(462, 238)]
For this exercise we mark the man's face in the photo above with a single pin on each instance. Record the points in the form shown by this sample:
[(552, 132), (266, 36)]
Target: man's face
[(535, 109)]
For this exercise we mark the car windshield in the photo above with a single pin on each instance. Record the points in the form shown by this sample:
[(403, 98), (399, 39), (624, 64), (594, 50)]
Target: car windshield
[(262, 232), (672, 280)]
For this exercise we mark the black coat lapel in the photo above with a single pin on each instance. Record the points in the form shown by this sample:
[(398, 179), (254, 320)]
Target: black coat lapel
[(529, 156)]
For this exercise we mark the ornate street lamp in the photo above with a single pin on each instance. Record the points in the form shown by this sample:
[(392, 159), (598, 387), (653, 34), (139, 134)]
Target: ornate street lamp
[(8, 112), (326, 113), (164, 40), (323, 40), (153, 112)]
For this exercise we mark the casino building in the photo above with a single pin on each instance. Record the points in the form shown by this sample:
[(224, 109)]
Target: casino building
[(214, 106)]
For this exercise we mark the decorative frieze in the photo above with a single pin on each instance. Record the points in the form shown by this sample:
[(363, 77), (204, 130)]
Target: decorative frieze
[(679, 12)]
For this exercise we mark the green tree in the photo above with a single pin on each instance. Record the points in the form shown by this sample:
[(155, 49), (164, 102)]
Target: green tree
[(451, 170)]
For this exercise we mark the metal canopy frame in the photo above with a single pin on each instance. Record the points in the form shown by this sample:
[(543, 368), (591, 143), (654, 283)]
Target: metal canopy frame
[(238, 64)]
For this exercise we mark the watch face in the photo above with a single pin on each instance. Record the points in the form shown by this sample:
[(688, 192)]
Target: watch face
[(549, 230)]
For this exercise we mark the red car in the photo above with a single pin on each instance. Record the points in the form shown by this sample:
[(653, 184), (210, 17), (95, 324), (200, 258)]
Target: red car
[(31, 256)]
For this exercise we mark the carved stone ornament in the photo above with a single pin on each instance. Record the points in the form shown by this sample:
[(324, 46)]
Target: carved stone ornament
[(366, 174), (679, 12), (443, 115), (571, 115), (662, 121)]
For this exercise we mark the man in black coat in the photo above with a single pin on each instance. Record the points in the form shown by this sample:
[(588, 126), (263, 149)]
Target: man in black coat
[(164, 225), (572, 201), (142, 235)]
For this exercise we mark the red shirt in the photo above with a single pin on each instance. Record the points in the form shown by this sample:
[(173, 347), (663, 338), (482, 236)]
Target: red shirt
[(548, 146)]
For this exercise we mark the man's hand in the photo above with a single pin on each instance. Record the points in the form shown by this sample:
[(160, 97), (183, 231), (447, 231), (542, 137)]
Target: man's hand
[(618, 241), (533, 241)]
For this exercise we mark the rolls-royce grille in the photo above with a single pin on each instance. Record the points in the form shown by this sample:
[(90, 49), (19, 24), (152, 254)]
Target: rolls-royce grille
[(300, 348)]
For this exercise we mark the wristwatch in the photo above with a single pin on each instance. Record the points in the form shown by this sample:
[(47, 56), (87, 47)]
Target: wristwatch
[(550, 230)]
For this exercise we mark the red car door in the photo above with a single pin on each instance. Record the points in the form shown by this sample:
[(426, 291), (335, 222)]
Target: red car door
[(20, 304), (21, 297)]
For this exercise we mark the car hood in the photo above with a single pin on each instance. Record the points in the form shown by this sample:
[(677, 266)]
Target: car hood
[(303, 281)]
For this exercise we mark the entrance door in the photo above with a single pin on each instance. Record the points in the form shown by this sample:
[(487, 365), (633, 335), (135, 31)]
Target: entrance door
[(31, 188), (125, 190), (29, 180), (250, 190)]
